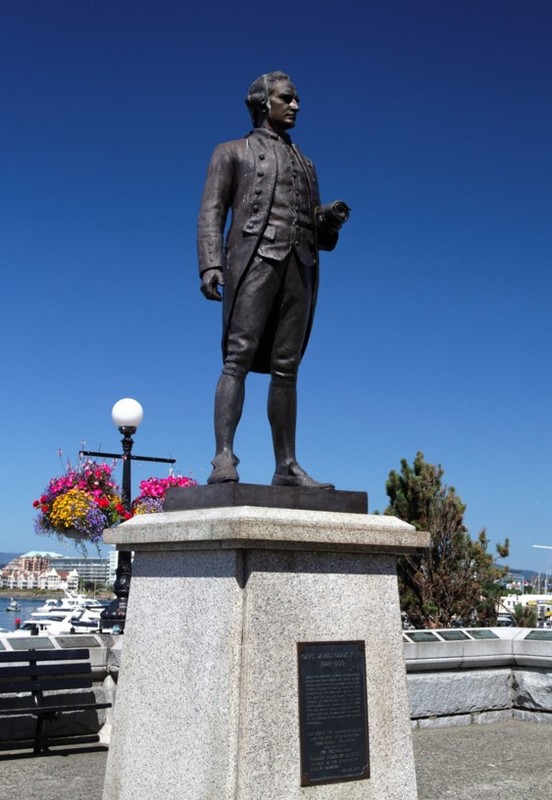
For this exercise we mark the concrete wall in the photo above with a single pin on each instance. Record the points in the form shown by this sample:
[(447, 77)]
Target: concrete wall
[(472, 680)]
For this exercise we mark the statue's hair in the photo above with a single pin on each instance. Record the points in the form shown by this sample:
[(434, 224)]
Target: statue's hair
[(258, 96)]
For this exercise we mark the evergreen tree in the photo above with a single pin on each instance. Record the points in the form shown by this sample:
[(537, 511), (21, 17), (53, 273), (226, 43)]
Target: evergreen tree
[(455, 580)]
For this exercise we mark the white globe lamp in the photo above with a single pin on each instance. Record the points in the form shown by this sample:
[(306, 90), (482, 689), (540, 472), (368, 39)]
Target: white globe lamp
[(127, 413)]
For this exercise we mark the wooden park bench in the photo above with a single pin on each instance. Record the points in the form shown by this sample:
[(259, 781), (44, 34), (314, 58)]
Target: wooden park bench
[(30, 677)]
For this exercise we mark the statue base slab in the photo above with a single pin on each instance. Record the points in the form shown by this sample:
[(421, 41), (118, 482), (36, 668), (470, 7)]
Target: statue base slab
[(230, 494)]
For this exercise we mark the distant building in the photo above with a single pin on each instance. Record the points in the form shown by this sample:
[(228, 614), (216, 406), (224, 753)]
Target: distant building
[(515, 582), (542, 604), (51, 571), (34, 561), (48, 579), (89, 569)]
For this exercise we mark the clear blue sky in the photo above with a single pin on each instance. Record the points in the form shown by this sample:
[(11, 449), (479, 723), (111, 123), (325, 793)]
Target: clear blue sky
[(432, 119)]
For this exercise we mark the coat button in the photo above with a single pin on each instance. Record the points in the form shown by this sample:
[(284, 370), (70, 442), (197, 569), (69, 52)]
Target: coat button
[(260, 173), (261, 156)]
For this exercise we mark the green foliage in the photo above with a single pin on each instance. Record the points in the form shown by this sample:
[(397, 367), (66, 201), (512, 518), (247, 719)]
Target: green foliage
[(455, 580), (526, 616)]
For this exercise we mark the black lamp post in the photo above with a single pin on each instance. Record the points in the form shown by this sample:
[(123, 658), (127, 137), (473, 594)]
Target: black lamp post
[(127, 414)]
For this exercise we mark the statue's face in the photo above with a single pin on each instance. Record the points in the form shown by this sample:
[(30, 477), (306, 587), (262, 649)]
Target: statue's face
[(284, 105)]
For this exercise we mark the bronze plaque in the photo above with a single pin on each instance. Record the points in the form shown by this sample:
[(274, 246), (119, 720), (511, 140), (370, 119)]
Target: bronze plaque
[(333, 712)]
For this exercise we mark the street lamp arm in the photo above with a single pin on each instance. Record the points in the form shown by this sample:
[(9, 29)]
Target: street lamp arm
[(131, 457), (151, 458)]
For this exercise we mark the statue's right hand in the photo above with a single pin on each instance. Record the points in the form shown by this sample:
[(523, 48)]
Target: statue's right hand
[(210, 281)]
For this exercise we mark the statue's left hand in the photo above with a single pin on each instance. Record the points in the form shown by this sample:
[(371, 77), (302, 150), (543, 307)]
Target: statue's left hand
[(210, 281), (333, 215)]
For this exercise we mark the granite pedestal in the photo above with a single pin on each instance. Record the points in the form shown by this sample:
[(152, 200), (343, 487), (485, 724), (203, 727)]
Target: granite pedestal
[(207, 700)]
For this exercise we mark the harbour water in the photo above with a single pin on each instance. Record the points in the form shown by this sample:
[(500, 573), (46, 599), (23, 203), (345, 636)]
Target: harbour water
[(28, 604)]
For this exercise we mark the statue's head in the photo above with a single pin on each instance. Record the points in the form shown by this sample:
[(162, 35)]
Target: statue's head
[(273, 92)]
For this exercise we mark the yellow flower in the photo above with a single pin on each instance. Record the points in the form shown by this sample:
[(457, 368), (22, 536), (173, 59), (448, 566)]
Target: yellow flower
[(69, 507)]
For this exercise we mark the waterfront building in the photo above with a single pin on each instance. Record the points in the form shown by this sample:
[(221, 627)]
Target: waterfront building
[(91, 570), (49, 570), (33, 561), (541, 602)]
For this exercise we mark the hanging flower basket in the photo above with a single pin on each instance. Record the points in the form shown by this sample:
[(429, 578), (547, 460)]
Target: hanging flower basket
[(85, 501), (152, 493), (80, 504)]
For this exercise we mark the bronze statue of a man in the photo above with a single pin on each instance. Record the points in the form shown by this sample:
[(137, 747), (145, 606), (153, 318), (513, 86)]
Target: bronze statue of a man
[(268, 267)]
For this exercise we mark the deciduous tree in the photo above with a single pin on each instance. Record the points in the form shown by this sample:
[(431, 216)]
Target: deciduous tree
[(456, 579)]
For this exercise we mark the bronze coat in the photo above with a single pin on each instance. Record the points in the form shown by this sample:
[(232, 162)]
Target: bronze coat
[(242, 176)]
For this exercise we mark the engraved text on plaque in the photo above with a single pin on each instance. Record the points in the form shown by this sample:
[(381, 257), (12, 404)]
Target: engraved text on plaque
[(333, 714)]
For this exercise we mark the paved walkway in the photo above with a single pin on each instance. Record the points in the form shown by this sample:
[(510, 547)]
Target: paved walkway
[(503, 761)]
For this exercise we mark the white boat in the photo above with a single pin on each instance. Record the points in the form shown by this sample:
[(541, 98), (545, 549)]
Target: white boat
[(84, 621), (79, 620), (48, 605), (13, 605), (28, 628), (58, 609)]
